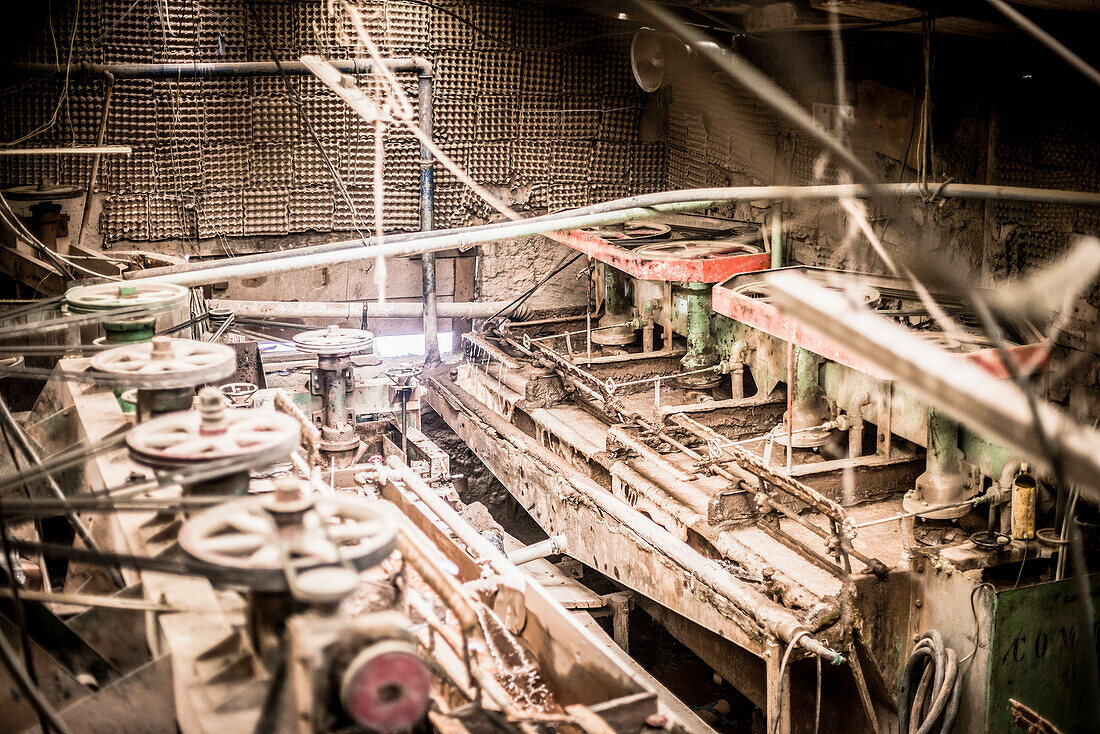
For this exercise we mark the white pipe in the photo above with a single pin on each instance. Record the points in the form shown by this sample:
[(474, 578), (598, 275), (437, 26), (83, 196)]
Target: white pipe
[(354, 309), (480, 547), (621, 210), (535, 551)]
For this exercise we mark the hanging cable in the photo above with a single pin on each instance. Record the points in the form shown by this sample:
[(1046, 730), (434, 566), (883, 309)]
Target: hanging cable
[(934, 703), (783, 677), (20, 617)]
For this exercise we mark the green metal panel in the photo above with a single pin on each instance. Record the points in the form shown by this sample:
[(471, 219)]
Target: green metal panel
[(1038, 656)]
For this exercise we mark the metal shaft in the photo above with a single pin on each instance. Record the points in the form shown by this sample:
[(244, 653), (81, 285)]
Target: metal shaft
[(357, 310), (427, 218), (636, 207), (22, 442), (191, 70)]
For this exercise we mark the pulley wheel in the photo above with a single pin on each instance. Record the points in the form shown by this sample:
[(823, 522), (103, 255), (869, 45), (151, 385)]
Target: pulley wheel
[(334, 341), (403, 376), (252, 436), (629, 233), (246, 535), (167, 363), (758, 290), (697, 250), (43, 192), (109, 296)]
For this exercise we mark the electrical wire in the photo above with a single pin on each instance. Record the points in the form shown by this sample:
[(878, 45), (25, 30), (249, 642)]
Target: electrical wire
[(292, 94), (522, 298), (10, 218), (1054, 457), (935, 700), (783, 677), (64, 89)]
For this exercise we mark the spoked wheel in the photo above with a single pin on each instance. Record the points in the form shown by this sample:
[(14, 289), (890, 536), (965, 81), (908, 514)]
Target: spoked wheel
[(248, 538)]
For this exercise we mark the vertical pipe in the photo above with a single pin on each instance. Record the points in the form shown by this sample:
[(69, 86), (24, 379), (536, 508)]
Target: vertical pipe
[(777, 240), (335, 398), (109, 81), (427, 217), (790, 403)]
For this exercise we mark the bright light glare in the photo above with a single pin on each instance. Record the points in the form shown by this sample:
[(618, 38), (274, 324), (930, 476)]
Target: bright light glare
[(409, 344)]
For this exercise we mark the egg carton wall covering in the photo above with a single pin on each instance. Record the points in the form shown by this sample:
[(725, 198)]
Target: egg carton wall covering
[(523, 96)]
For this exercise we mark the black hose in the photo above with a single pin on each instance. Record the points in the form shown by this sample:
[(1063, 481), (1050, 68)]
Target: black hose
[(934, 702)]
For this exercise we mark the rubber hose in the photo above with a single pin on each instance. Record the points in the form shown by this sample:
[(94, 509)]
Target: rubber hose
[(936, 696)]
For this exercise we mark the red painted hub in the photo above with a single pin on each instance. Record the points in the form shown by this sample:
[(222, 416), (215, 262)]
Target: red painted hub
[(386, 688)]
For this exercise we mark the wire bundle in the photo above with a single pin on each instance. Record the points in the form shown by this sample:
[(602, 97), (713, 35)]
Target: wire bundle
[(934, 703)]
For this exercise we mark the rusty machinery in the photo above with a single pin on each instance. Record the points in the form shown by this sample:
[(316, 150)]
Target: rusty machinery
[(168, 371), (801, 494), (333, 380), (148, 299), (274, 597)]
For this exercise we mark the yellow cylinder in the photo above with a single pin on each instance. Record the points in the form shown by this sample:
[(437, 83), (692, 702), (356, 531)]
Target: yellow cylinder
[(1024, 489)]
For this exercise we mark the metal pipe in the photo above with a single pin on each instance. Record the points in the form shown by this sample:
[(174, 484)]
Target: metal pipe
[(413, 545), (22, 442), (109, 81), (614, 212), (777, 240), (356, 309), (855, 430), (551, 546), (192, 70), (483, 549), (427, 216)]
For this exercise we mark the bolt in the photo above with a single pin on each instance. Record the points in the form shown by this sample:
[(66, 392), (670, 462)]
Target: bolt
[(288, 490), (212, 411), (918, 603), (332, 331), (162, 348)]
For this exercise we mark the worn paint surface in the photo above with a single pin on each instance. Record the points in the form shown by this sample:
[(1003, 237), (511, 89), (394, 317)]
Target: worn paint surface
[(764, 316), (1038, 655), (709, 270)]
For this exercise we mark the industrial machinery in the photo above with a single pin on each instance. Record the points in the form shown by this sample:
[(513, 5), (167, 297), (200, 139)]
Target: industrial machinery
[(772, 496), (265, 589)]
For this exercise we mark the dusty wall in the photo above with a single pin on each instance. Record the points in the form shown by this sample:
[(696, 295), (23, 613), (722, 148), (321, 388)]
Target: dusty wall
[(537, 104), (1000, 116)]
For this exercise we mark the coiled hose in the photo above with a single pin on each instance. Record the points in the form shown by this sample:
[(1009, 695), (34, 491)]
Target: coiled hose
[(935, 699)]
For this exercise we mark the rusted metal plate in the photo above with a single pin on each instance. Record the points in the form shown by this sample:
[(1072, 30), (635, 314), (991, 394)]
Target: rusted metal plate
[(1039, 656), (760, 314), (709, 270)]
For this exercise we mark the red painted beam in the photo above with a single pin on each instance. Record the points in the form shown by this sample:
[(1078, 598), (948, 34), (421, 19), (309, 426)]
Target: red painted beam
[(765, 317), (707, 270)]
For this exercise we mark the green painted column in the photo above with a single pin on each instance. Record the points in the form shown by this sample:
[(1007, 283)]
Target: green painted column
[(701, 348)]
